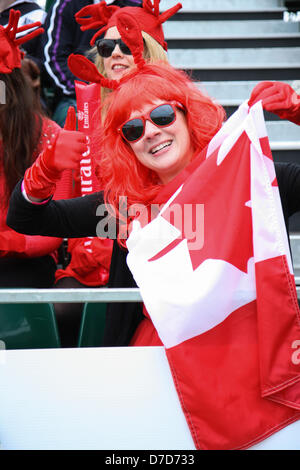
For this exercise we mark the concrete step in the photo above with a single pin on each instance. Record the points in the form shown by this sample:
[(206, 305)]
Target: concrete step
[(283, 135), (283, 131), (241, 42), (230, 29), (224, 5), (235, 58)]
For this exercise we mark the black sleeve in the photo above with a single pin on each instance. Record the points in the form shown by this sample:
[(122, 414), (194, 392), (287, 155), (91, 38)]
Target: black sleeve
[(66, 218), (288, 178)]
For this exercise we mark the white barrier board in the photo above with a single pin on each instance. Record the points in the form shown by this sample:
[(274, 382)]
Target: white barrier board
[(97, 398)]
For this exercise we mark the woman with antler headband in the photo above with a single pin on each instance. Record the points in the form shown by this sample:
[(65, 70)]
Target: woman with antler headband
[(25, 261), (108, 49)]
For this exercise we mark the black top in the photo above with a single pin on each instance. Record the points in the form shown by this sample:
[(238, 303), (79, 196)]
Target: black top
[(75, 218)]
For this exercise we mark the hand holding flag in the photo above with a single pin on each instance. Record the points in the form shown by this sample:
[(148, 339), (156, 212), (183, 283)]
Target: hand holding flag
[(278, 98)]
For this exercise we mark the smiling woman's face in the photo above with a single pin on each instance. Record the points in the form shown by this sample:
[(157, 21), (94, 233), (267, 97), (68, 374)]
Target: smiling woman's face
[(118, 64), (165, 150)]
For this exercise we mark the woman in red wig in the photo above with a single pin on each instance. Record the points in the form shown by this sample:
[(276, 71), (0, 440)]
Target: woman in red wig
[(156, 123), (123, 175), (145, 157)]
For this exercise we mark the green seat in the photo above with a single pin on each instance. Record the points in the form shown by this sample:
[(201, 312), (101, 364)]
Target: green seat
[(28, 326), (92, 325)]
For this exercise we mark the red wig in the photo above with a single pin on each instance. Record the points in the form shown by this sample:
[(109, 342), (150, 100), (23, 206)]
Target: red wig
[(122, 175)]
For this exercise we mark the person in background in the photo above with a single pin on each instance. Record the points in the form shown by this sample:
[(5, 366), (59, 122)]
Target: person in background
[(25, 261), (63, 37), (112, 60)]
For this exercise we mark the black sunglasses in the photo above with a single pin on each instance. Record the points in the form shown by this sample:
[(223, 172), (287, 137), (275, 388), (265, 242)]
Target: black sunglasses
[(162, 116), (105, 47)]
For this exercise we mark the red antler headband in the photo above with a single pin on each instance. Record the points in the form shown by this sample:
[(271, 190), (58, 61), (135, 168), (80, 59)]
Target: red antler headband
[(10, 54), (131, 34), (104, 17)]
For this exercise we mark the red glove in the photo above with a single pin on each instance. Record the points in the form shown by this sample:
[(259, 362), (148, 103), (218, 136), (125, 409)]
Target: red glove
[(12, 243), (64, 152), (278, 98)]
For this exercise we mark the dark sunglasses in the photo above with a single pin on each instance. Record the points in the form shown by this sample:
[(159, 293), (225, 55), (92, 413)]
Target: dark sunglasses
[(162, 116), (105, 47)]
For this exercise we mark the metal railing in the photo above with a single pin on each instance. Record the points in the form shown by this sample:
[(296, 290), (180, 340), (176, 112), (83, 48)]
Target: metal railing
[(285, 145), (93, 295)]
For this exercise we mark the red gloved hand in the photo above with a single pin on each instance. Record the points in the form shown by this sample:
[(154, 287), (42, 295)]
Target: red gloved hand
[(12, 243), (65, 152), (278, 98)]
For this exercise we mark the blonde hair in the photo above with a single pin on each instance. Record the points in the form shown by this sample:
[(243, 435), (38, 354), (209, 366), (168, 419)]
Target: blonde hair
[(153, 52)]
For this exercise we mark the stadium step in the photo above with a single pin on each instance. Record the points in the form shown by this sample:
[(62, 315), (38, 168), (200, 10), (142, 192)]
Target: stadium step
[(205, 63), (230, 93), (225, 29), (193, 6)]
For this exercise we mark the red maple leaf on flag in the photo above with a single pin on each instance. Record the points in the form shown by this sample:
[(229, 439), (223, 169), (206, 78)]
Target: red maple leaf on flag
[(224, 195)]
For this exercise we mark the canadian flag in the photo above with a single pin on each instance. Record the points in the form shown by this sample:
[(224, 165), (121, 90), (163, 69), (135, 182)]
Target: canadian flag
[(216, 278)]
